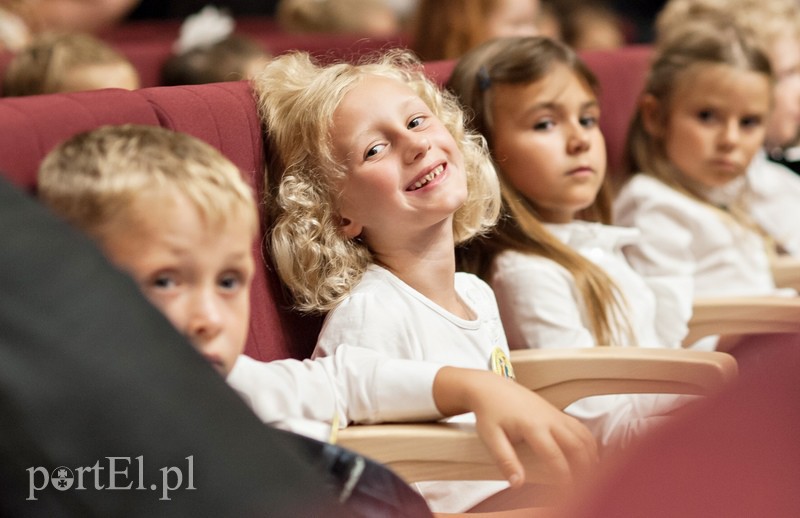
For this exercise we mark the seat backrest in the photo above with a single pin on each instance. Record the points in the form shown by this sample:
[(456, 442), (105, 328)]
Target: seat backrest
[(222, 114), (621, 74)]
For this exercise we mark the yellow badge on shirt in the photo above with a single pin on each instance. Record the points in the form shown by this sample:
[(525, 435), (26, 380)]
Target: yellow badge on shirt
[(334, 428), (501, 364)]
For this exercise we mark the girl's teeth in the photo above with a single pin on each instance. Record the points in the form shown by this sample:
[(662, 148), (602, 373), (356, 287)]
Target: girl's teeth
[(428, 177)]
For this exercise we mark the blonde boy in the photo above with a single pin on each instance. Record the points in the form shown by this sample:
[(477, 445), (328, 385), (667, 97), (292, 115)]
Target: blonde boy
[(172, 212)]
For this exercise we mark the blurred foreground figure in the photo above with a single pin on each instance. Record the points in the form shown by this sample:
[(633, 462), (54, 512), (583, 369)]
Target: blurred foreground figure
[(736, 455), (99, 390)]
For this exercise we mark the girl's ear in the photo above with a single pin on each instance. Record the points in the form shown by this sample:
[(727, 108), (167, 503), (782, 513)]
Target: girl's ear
[(350, 228), (652, 116)]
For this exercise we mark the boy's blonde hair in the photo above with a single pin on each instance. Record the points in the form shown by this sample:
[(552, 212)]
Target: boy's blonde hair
[(94, 179), (46, 64), (297, 99), (526, 60)]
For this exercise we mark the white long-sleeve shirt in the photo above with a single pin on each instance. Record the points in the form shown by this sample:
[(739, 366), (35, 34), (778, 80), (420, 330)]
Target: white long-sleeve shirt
[(352, 385), (541, 307)]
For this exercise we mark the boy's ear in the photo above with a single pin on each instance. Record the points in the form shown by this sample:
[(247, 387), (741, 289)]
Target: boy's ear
[(350, 228), (652, 118)]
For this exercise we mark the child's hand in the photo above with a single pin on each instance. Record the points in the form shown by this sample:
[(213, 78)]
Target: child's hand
[(508, 414)]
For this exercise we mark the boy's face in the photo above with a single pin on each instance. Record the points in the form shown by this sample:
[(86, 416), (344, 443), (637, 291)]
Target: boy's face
[(198, 275)]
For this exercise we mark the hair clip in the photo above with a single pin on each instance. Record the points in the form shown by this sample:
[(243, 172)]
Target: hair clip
[(484, 81)]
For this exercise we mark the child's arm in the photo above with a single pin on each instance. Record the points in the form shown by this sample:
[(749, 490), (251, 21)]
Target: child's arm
[(508, 414)]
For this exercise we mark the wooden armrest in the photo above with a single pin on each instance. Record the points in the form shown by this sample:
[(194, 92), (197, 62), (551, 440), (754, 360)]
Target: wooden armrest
[(743, 315), (435, 451), (453, 451), (786, 272), (562, 376)]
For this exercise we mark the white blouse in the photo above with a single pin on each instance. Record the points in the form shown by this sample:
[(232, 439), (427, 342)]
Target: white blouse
[(683, 236)]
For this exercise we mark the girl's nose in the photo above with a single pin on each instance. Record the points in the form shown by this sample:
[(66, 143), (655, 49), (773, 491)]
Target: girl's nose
[(578, 140), (417, 147), (729, 134)]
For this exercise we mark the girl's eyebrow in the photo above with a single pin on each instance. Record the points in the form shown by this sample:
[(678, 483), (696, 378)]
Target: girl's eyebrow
[(553, 105)]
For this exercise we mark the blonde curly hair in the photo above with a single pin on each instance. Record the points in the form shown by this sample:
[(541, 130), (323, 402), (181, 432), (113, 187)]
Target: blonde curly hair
[(296, 99)]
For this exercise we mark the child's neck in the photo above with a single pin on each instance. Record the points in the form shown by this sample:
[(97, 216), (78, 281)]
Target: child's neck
[(429, 267)]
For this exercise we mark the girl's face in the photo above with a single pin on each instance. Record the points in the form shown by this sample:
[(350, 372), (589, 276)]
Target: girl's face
[(513, 18), (716, 122), (547, 142), (405, 171)]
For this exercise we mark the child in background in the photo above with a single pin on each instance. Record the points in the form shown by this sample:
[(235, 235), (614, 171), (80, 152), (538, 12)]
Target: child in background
[(208, 51), (14, 32), (174, 213), (560, 282), (446, 29), (68, 62), (585, 25), (368, 199), (701, 119), (775, 24), (368, 17)]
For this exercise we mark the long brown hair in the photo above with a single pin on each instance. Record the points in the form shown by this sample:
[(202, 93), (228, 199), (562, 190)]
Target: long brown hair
[(523, 60), (446, 29)]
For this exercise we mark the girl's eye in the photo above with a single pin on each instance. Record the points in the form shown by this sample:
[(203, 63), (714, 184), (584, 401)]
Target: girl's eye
[(751, 122), (374, 150), (589, 121), (416, 121), (705, 115), (543, 125)]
